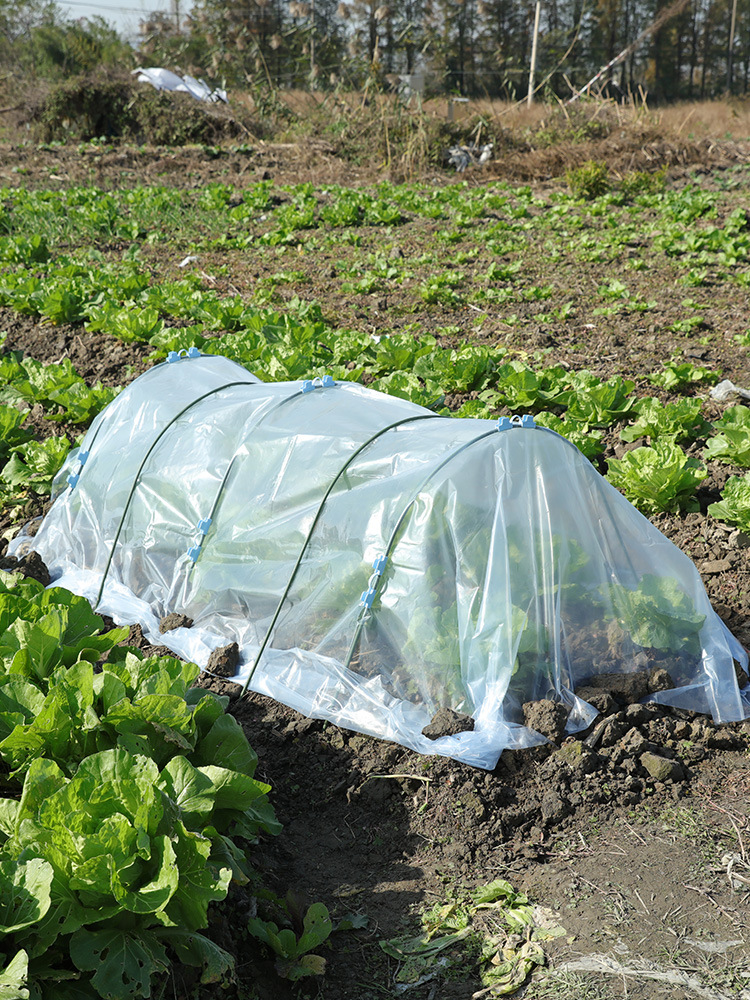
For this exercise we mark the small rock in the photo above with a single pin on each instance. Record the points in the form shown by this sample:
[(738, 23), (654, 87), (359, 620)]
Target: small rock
[(662, 769), (546, 717), (446, 722), (377, 790), (223, 660), (713, 566), (174, 620), (633, 743), (33, 566)]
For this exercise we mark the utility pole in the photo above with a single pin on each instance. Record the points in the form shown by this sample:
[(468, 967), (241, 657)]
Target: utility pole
[(312, 44), (730, 54), (176, 14), (532, 68)]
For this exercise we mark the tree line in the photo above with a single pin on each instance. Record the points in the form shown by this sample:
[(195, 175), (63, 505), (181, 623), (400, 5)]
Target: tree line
[(470, 48)]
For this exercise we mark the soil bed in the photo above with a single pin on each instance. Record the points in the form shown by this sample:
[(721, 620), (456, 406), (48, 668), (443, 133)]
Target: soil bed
[(635, 832)]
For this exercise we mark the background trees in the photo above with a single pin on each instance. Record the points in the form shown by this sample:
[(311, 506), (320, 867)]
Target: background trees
[(464, 47)]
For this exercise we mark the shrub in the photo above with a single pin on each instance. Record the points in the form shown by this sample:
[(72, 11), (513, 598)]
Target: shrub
[(588, 181), (88, 106)]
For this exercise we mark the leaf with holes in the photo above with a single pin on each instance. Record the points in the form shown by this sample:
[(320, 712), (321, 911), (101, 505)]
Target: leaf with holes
[(123, 963)]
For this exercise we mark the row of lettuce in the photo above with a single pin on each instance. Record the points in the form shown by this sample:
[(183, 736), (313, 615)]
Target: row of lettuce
[(128, 803), (661, 476)]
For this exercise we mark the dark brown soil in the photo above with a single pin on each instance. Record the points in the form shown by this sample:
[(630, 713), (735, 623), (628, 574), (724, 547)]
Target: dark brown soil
[(635, 833)]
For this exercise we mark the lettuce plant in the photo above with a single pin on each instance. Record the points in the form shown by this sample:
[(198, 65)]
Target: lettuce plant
[(680, 420), (734, 505), (732, 443), (658, 479)]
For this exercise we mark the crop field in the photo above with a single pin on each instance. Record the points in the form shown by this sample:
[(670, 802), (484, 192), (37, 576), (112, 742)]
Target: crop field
[(159, 835)]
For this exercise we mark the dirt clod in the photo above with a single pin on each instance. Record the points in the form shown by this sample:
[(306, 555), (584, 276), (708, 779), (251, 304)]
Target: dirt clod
[(446, 722), (223, 661), (659, 680), (547, 717), (174, 620), (31, 566), (627, 689), (602, 700)]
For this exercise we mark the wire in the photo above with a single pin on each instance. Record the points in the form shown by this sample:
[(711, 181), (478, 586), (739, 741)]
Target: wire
[(112, 7)]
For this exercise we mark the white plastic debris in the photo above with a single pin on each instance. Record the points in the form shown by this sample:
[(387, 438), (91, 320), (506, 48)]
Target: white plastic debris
[(462, 157), (726, 390), (190, 259), (164, 79)]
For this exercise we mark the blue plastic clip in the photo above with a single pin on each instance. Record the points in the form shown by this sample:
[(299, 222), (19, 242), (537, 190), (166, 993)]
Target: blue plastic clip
[(318, 383), (83, 457), (379, 564), (527, 420), (368, 596), (203, 525), (191, 352), (504, 424), (73, 481), (194, 552)]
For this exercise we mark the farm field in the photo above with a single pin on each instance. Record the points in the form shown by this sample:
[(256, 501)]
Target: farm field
[(608, 304)]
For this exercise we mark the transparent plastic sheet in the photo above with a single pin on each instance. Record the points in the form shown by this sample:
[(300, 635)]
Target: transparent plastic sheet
[(375, 562)]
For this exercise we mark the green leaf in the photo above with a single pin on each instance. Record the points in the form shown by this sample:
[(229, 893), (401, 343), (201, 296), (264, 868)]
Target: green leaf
[(13, 978), (153, 675), (680, 420), (8, 816), (191, 789), (658, 614), (24, 893), (123, 962), (225, 744), (317, 928), (659, 478), (164, 722), (195, 949), (17, 694), (80, 621), (42, 780), (34, 646), (732, 444), (734, 505), (199, 884)]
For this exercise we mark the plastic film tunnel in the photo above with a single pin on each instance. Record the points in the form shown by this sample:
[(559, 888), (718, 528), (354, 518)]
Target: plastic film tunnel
[(376, 562)]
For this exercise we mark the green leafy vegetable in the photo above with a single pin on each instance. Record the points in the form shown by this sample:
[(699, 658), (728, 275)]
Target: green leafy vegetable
[(681, 375), (732, 443), (734, 505), (658, 614), (659, 478)]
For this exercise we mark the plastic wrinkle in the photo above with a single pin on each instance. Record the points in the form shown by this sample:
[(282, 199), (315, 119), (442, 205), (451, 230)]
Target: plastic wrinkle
[(376, 562)]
